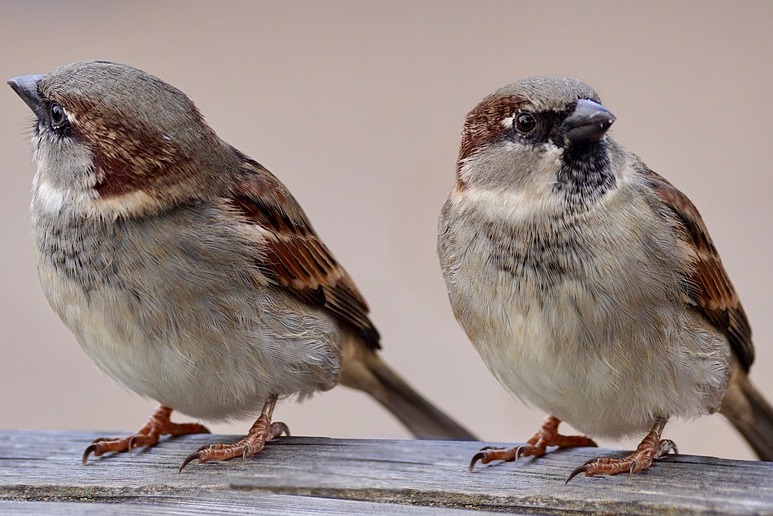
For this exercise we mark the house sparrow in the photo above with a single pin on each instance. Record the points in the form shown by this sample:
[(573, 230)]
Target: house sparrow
[(186, 270), (588, 283)]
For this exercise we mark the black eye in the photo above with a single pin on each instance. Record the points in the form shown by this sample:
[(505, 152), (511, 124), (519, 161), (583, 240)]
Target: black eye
[(525, 123), (58, 115)]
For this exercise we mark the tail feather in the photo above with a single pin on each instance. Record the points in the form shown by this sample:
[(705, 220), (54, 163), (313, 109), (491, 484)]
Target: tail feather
[(750, 413), (421, 417), (365, 371)]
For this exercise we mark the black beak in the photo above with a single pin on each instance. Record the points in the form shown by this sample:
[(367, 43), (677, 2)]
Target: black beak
[(26, 87), (588, 123)]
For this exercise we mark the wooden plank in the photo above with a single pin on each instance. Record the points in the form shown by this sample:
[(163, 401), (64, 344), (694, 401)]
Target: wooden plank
[(209, 502), (40, 471)]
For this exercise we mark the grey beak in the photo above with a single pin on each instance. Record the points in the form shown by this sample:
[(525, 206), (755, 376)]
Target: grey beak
[(26, 87), (588, 123)]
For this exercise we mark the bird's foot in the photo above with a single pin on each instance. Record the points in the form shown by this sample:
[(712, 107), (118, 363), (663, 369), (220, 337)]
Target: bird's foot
[(147, 436), (546, 436), (652, 447), (262, 431)]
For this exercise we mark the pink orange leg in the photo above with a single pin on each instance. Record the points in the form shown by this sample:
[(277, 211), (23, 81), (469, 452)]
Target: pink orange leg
[(147, 436), (652, 447), (262, 431), (546, 436)]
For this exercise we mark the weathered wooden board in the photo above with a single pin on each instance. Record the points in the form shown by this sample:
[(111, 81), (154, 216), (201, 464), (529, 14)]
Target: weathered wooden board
[(41, 472)]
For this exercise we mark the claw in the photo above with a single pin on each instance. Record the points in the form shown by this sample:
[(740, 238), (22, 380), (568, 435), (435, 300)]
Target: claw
[(283, 428), (91, 449), (158, 426), (667, 446), (261, 432), (577, 471), (475, 458), (132, 442), (651, 447), (535, 447), (193, 456)]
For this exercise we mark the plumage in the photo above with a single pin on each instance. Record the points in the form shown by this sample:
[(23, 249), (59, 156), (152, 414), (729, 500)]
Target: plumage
[(186, 270), (588, 283)]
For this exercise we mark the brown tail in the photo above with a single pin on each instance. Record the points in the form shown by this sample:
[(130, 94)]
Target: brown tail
[(750, 414), (364, 370)]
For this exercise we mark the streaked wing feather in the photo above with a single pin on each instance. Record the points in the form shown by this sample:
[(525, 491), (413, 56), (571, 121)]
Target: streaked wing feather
[(293, 256), (707, 285)]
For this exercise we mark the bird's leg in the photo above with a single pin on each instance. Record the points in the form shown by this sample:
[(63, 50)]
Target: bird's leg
[(652, 447), (158, 426), (262, 431), (546, 436)]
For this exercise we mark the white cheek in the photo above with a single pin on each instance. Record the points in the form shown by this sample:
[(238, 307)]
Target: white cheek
[(530, 199), (51, 198), (505, 205), (47, 197)]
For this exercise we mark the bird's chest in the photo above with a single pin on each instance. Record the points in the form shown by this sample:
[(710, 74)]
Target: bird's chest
[(543, 302), (123, 280), (85, 278), (131, 291), (513, 279), (171, 309)]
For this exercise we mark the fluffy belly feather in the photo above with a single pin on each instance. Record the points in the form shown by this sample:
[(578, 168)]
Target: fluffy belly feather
[(202, 337), (607, 359)]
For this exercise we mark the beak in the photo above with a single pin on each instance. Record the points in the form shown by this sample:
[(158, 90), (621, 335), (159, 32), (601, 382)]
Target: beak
[(588, 123), (26, 87)]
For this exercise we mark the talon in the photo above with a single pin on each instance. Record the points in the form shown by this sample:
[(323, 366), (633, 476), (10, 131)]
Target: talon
[(283, 429), (91, 449), (132, 441), (262, 431), (147, 436), (651, 447), (667, 446), (577, 471), (535, 447), (193, 456), (478, 456)]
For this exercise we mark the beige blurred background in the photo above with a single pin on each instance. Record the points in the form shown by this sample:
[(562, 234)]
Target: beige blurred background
[(357, 107)]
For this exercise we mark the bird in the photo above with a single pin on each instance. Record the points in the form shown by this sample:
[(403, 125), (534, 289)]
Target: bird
[(186, 270), (588, 283)]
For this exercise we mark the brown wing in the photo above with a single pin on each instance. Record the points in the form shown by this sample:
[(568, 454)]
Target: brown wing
[(294, 256), (707, 285)]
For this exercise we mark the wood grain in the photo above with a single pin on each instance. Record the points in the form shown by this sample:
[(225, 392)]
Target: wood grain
[(41, 472)]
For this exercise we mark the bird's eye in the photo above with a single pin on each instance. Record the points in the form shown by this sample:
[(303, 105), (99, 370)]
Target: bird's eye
[(525, 123), (58, 116)]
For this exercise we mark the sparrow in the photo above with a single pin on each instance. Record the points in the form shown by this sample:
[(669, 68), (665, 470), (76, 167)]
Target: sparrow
[(588, 283), (187, 271)]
